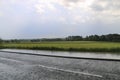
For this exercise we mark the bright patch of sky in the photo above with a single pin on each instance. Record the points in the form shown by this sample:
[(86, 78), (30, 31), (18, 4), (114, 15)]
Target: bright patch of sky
[(58, 18)]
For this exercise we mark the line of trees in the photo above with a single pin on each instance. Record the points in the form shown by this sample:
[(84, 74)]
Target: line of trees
[(108, 37)]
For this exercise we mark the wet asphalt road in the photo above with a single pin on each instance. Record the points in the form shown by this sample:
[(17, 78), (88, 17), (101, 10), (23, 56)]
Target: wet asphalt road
[(30, 67)]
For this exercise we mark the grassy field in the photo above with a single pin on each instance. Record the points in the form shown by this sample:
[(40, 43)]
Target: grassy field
[(83, 46)]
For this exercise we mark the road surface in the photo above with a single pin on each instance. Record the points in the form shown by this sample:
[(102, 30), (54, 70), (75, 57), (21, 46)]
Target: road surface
[(32, 67)]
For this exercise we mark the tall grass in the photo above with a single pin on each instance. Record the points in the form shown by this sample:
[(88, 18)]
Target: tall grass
[(84, 46)]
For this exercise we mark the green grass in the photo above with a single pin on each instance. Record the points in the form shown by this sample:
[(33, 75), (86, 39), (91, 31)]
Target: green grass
[(84, 46)]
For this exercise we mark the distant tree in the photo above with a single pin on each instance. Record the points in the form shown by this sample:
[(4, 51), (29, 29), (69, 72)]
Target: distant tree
[(92, 38), (102, 38), (113, 37), (108, 37), (1, 40), (74, 38)]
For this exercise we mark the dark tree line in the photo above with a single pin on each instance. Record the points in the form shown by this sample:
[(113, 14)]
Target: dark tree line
[(32, 40), (74, 38), (108, 37)]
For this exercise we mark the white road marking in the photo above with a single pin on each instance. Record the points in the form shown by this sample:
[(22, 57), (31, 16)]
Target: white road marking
[(71, 71)]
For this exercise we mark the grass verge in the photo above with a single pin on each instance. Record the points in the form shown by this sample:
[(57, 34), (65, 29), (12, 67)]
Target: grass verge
[(80, 46)]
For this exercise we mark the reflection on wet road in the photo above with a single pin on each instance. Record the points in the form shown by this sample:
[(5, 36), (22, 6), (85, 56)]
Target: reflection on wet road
[(31, 67)]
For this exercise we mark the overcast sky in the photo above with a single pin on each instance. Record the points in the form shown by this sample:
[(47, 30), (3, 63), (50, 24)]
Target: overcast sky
[(58, 18)]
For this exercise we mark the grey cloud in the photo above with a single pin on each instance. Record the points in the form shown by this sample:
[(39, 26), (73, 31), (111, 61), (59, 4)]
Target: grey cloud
[(72, 4), (107, 9), (97, 7), (73, 0), (101, 5)]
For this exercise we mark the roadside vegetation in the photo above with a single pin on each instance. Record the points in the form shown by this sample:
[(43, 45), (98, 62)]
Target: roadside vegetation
[(84, 46), (92, 43), (1, 45)]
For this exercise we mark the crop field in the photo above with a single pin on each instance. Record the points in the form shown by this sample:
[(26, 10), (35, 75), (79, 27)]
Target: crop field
[(82, 46)]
